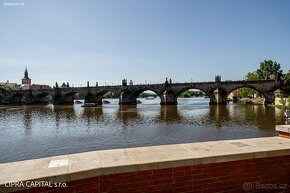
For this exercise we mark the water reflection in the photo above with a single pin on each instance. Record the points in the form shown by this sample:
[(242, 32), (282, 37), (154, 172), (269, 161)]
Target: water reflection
[(169, 114), (218, 114), (62, 113), (128, 115), (27, 121), (53, 130), (91, 114)]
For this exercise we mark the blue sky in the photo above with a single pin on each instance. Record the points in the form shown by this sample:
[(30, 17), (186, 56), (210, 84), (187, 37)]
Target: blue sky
[(144, 40)]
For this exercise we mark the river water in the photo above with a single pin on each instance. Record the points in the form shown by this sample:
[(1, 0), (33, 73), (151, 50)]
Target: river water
[(28, 132)]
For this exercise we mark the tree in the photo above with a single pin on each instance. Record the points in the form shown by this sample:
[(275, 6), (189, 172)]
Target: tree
[(246, 92), (288, 103), (269, 70), (110, 95), (286, 79), (9, 88), (186, 94), (252, 76)]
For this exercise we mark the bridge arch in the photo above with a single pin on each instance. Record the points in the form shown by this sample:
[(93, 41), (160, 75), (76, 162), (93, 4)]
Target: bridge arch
[(103, 94), (72, 93), (78, 96), (148, 96), (65, 98), (243, 86), (251, 93), (180, 91), (140, 91), (188, 96), (43, 98), (108, 96)]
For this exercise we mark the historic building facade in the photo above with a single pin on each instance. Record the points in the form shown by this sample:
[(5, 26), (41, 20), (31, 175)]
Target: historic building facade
[(26, 83)]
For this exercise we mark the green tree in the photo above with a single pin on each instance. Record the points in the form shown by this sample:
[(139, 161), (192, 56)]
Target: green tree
[(186, 94), (288, 106), (286, 79), (246, 92), (9, 88), (269, 69), (110, 95), (282, 102), (252, 76)]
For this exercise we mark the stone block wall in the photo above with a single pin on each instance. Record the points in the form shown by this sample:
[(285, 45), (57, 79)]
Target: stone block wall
[(269, 174)]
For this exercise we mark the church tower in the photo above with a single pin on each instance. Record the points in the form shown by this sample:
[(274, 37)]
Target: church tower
[(26, 81)]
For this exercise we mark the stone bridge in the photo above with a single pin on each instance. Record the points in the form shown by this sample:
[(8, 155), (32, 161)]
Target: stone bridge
[(168, 92)]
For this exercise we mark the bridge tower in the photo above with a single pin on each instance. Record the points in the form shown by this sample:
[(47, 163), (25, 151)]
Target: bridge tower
[(26, 81)]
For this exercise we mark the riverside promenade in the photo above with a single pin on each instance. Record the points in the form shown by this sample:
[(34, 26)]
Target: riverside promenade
[(244, 165)]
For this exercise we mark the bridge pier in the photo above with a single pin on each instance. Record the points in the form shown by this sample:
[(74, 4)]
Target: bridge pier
[(218, 97), (99, 100), (89, 98), (127, 98), (168, 98), (280, 94), (62, 100), (269, 98), (43, 99)]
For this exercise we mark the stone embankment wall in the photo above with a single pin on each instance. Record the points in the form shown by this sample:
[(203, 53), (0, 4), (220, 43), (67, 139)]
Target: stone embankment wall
[(270, 174)]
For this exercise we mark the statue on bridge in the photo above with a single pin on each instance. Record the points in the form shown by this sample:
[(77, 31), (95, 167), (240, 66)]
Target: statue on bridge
[(218, 78), (166, 81), (124, 82)]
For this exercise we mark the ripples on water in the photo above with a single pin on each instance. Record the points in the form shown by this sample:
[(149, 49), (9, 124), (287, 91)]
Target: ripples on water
[(28, 132)]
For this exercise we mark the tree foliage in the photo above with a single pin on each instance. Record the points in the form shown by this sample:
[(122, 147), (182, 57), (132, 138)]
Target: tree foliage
[(249, 92), (286, 79), (252, 76), (192, 93), (269, 69), (9, 88), (110, 95)]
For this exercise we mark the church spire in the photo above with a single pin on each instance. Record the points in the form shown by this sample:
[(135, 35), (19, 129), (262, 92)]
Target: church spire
[(26, 73)]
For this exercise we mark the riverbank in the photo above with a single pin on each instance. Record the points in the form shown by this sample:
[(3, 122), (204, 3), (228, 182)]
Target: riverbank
[(251, 101)]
